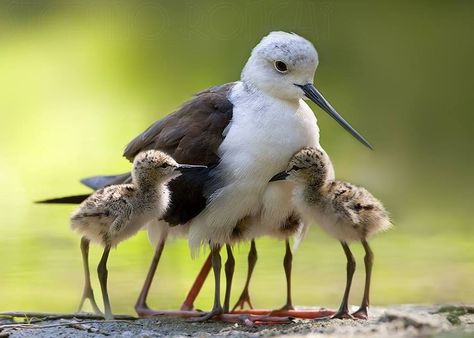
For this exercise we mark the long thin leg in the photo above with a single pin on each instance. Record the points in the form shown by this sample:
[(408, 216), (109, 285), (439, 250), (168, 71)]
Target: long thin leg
[(188, 303), (229, 274), (87, 293), (141, 306), (362, 312), (286, 311), (244, 296), (343, 311), (186, 309), (216, 266), (287, 264), (103, 273)]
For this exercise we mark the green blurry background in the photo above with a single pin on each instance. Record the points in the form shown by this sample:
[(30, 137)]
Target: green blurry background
[(79, 79)]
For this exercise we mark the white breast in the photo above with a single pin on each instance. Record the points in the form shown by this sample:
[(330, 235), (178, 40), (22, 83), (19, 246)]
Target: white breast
[(262, 137)]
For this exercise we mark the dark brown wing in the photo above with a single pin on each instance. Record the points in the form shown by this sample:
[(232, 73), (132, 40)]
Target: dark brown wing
[(193, 133)]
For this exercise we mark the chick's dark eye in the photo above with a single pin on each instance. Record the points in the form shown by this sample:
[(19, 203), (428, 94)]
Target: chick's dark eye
[(164, 165), (295, 167), (281, 66)]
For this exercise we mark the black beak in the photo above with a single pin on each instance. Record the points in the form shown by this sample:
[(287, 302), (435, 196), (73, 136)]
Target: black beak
[(185, 168), (312, 93), (281, 176)]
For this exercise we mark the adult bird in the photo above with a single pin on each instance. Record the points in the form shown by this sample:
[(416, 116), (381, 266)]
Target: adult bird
[(244, 132)]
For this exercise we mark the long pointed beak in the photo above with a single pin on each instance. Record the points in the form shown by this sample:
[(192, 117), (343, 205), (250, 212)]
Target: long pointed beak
[(312, 93), (184, 168), (281, 176)]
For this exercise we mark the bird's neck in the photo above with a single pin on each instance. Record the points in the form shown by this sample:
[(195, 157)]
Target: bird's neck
[(313, 190), (147, 186)]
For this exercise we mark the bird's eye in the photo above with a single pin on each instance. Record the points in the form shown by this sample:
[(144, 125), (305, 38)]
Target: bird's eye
[(164, 165), (295, 167), (280, 66)]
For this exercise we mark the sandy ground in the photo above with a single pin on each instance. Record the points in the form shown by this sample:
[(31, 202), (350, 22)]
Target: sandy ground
[(392, 321)]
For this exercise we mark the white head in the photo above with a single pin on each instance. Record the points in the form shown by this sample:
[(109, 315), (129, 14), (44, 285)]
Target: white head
[(282, 65), (278, 62)]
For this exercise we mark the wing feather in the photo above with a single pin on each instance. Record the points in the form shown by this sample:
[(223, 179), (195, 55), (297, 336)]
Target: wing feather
[(193, 133)]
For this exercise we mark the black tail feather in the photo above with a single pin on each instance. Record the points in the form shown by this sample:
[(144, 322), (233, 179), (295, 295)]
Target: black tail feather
[(65, 200), (97, 182)]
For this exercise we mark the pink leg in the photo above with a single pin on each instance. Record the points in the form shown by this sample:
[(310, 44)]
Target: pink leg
[(249, 319), (141, 306), (188, 303), (304, 314)]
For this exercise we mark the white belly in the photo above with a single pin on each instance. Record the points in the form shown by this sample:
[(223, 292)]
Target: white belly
[(275, 209), (133, 226), (263, 136)]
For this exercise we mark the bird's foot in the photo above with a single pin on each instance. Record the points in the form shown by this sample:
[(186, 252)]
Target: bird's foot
[(284, 309), (108, 316), (144, 311), (187, 307), (303, 314), (361, 313), (89, 294), (216, 311), (250, 320), (266, 320), (342, 314), (243, 299)]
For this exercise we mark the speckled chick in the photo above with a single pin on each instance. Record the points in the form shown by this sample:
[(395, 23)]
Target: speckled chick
[(347, 212), (117, 212)]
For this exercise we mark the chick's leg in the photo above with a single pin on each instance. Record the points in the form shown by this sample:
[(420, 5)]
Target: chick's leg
[(362, 312), (343, 312), (87, 293), (103, 274)]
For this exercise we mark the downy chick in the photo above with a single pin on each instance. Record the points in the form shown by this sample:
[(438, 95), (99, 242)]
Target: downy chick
[(117, 212), (347, 212)]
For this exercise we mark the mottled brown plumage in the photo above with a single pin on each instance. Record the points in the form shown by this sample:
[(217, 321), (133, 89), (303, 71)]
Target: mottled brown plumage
[(114, 213), (347, 212)]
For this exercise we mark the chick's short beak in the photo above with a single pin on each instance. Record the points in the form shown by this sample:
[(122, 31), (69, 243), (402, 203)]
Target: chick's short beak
[(184, 168), (281, 176)]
